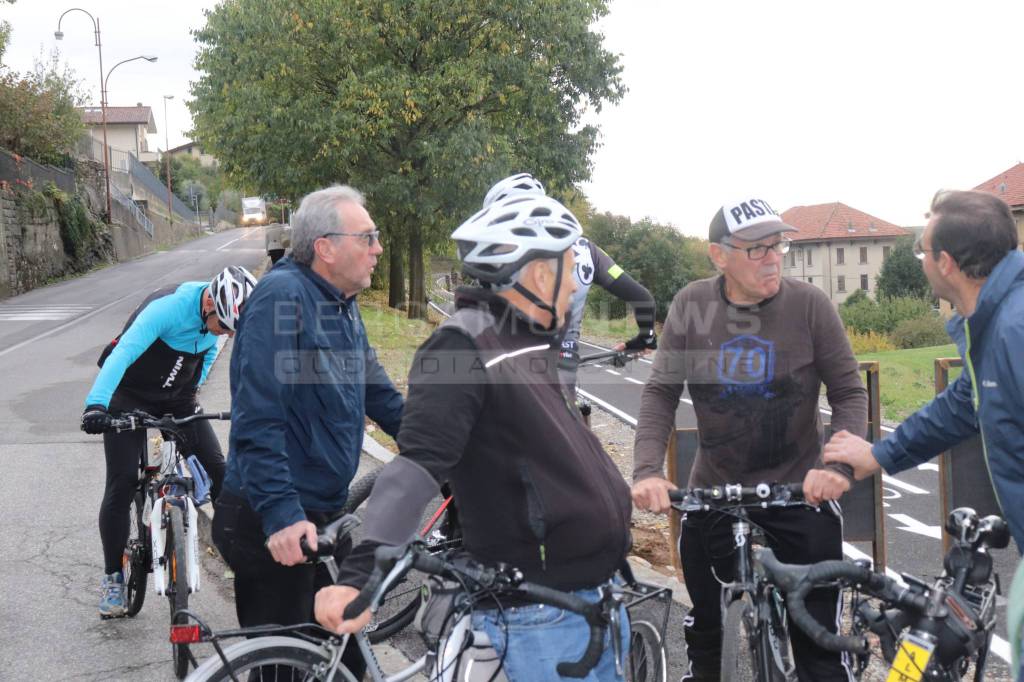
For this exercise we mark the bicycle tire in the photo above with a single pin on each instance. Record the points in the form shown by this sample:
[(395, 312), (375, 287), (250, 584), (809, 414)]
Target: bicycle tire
[(400, 604), (177, 567), (359, 491), (134, 561), (739, 642), (287, 657), (775, 640), (647, 659)]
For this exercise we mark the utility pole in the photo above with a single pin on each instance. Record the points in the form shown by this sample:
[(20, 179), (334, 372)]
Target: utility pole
[(170, 211)]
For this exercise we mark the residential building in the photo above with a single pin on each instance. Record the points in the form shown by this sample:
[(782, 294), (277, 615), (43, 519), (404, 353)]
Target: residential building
[(127, 128), (1009, 186), (838, 248), (194, 151)]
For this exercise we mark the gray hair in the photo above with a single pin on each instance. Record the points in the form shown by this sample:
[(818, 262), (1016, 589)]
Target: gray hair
[(552, 264), (317, 215)]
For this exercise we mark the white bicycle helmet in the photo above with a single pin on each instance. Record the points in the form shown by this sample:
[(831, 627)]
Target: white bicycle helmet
[(500, 239), (521, 183), (229, 289)]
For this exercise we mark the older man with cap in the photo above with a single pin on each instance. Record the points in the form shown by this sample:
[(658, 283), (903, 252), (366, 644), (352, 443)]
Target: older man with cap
[(753, 348)]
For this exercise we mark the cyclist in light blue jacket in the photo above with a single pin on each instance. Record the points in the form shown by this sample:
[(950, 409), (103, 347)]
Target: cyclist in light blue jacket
[(969, 254)]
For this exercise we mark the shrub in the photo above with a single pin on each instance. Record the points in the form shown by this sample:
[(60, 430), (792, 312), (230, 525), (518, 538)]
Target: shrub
[(868, 342), (920, 332), (864, 315)]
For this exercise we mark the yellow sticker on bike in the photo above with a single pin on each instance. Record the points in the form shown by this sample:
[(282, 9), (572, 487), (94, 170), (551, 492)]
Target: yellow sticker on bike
[(912, 656)]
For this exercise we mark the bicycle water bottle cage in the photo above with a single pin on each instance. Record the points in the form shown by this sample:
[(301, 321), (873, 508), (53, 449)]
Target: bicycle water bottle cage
[(201, 480)]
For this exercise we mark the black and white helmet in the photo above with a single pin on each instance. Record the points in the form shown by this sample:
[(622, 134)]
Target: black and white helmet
[(229, 289), (503, 237), (521, 183)]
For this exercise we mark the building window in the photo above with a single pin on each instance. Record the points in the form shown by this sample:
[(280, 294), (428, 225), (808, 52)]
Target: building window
[(792, 259), (810, 280), (841, 283), (864, 282), (863, 255), (885, 252), (840, 256), (810, 259)]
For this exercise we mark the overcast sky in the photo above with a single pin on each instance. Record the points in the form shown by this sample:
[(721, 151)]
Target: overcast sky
[(875, 104)]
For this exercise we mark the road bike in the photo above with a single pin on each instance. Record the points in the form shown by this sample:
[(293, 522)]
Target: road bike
[(457, 653), (755, 637), (163, 536), (926, 631)]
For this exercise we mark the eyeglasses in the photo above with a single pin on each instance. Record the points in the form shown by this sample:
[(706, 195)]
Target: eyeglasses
[(370, 237), (761, 250), (919, 249)]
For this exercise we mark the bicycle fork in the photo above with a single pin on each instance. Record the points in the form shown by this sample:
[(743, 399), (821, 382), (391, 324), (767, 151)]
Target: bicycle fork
[(158, 535)]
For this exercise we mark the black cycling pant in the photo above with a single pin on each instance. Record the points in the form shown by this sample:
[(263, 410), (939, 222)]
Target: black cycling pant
[(123, 452), (265, 591), (799, 536)]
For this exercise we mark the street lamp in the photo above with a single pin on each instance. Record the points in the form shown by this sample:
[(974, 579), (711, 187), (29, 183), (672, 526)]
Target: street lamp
[(106, 152), (103, 104), (170, 214)]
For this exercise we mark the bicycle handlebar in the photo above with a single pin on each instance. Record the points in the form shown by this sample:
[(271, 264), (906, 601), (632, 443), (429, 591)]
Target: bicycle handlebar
[(737, 495), (797, 582), (393, 562), (619, 358), (137, 419)]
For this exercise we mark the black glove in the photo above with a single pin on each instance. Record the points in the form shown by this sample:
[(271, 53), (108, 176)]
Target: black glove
[(645, 340), (95, 419)]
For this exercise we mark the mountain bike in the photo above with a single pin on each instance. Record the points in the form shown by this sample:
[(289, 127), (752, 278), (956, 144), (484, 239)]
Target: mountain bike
[(459, 653), (163, 537), (755, 638), (926, 631)]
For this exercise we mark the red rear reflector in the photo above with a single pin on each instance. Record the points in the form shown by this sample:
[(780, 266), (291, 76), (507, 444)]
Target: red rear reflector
[(184, 634)]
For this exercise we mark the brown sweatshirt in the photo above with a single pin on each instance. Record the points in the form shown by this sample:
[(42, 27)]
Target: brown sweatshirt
[(754, 376)]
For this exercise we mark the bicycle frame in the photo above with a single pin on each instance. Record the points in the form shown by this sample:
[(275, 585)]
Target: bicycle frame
[(171, 487)]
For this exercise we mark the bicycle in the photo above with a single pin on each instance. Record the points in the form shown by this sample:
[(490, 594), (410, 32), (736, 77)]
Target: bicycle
[(755, 636), (459, 652), (617, 358), (925, 631), (164, 499)]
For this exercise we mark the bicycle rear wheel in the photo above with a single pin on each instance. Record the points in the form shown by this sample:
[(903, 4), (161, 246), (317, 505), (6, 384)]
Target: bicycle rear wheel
[(740, 642), (647, 662), (399, 606), (135, 561), (359, 491), (283, 659), (177, 567)]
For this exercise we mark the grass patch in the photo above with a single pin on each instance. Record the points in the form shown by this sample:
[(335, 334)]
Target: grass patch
[(908, 378)]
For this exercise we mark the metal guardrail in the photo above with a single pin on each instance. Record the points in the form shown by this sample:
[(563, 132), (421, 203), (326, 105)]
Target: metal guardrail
[(126, 201)]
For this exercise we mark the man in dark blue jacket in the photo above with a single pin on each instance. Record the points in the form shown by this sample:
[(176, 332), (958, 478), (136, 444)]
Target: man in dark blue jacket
[(969, 254), (303, 380)]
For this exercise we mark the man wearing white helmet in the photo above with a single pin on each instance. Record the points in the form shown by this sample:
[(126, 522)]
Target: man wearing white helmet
[(591, 265), (487, 413), (156, 364)]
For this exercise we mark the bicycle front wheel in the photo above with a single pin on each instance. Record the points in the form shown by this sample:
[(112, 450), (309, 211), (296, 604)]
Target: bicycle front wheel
[(740, 642), (176, 564), (646, 653), (275, 658), (135, 561)]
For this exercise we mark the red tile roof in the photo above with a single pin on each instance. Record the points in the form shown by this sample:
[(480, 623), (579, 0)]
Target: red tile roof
[(139, 115), (837, 221), (1008, 185)]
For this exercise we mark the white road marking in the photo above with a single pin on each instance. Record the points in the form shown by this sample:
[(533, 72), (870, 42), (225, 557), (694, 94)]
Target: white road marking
[(36, 313), (912, 525), (889, 480), (607, 406), (612, 371), (928, 466), (634, 381)]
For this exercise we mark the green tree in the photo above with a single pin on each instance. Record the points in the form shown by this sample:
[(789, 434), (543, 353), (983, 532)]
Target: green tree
[(5, 32), (901, 273), (658, 256), (419, 103), (38, 118)]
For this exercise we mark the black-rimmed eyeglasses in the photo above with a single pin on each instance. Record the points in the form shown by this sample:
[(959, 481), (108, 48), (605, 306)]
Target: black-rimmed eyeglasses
[(761, 250), (370, 237)]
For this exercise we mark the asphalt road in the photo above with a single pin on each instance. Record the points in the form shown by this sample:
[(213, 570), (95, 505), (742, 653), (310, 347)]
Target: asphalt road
[(52, 474), (912, 505)]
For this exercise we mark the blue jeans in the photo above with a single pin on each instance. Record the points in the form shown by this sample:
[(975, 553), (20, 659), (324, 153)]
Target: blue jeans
[(539, 637)]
